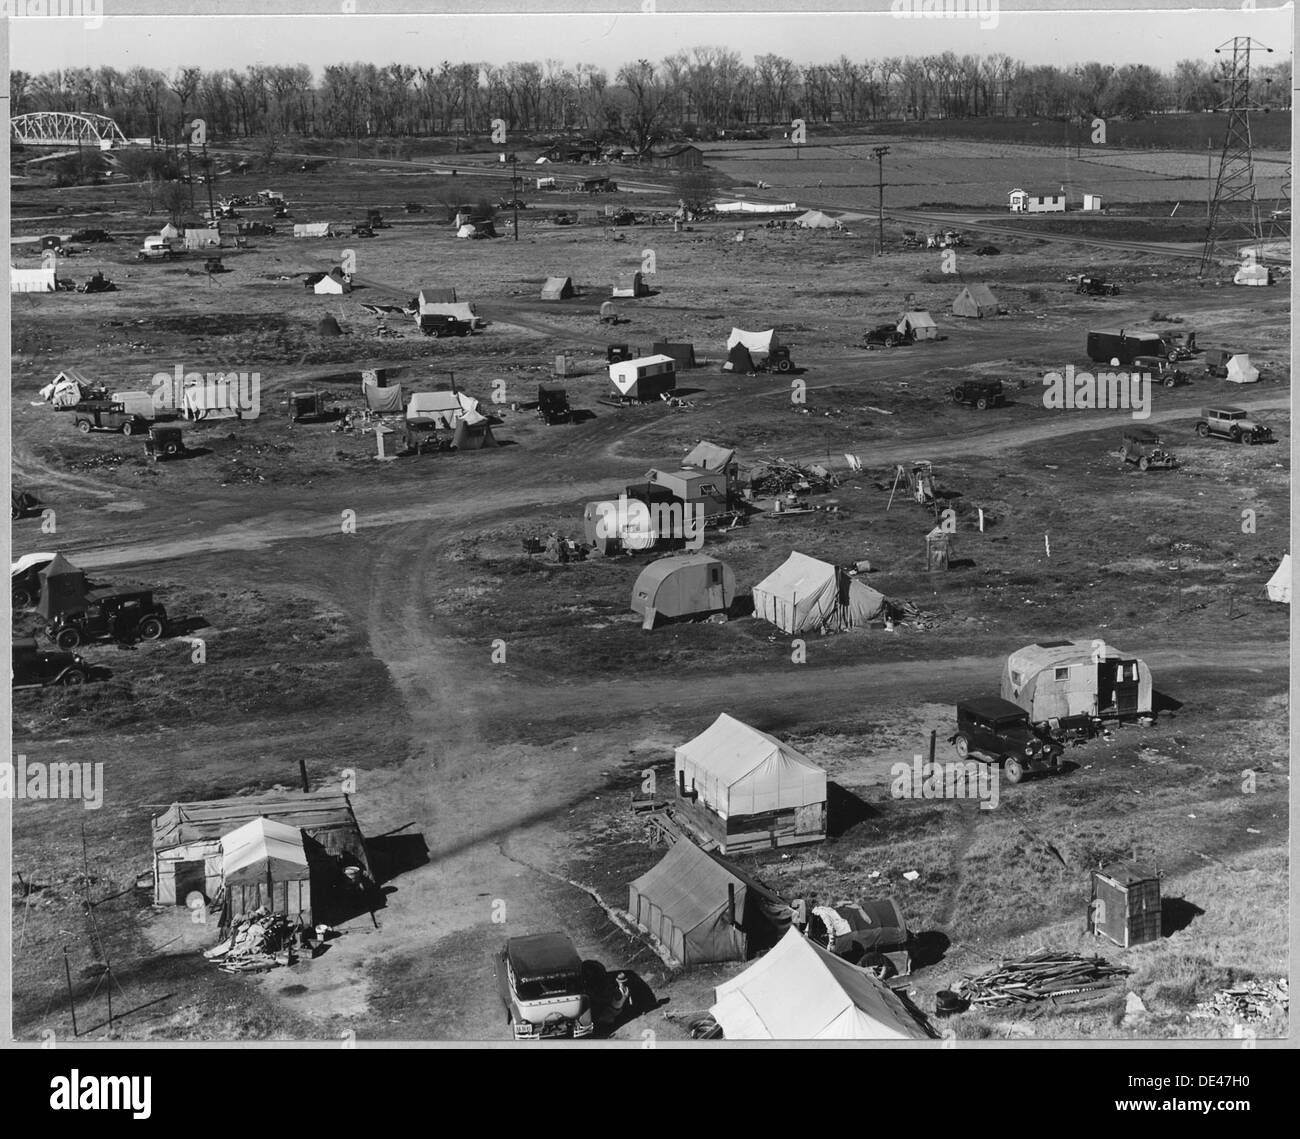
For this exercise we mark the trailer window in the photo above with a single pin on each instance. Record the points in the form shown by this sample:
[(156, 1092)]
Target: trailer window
[(1061, 672)]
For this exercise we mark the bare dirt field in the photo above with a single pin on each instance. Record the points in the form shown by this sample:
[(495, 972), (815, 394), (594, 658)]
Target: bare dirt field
[(504, 707)]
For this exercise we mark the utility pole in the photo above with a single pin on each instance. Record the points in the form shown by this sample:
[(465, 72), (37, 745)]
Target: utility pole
[(206, 163), (514, 189), (879, 152), (1234, 209)]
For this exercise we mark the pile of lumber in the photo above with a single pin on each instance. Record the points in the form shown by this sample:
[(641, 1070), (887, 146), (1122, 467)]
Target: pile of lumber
[(1253, 1001), (1034, 978), (779, 477), (257, 941)]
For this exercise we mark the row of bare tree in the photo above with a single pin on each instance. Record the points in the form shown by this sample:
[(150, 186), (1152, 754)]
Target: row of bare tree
[(689, 93)]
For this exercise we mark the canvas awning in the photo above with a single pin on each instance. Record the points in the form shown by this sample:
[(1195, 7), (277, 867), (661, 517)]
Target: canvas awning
[(756, 343)]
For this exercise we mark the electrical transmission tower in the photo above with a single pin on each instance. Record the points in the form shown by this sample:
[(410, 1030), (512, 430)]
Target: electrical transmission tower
[(1280, 230), (1234, 211)]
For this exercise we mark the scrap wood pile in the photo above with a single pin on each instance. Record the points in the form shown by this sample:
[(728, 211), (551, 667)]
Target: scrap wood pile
[(1034, 978), (257, 941), (1253, 1001), (779, 477)]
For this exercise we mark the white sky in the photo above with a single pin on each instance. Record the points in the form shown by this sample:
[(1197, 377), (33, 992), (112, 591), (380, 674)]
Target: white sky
[(165, 42)]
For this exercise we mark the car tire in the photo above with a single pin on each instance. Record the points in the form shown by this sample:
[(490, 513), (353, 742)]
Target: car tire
[(1170, 382), (1202, 429), (1012, 769), (67, 639), (172, 449), (783, 365), (1144, 463), (128, 428), (83, 425), (962, 744), (22, 599), (956, 395), (982, 404), (72, 678), (150, 628)]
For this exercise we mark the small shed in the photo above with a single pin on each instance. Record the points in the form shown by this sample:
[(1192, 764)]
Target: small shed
[(682, 353), (748, 790), (938, 549), (644, 378), (686, 585), (630, 285), (557, 289), (1125, 904), (264, 863), (1092, 201), (975, 301)]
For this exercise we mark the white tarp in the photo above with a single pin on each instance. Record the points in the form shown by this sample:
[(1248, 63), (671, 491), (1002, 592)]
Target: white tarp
[(67, 389), (760, 344), (743, 207), (800, 991), (738, 770), (263, 849), (202, 238), (1241, 371), (311, 229), (466, 230), (136, 403), (1253, 274), (31, 280), (331, 286), (444, 408), (1279, 585)]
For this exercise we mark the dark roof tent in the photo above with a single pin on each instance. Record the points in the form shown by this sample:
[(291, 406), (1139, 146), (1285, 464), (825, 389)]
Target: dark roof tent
[(739, 360), (328, 326), (63, 589), (543, 957)]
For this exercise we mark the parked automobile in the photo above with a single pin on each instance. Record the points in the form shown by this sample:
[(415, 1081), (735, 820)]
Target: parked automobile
[(540, 980), (982, 394), (1093, 286), (1141, 445), (125, 616), (888, 336), (994, 730), (362, 231), (512, 204), (165, 441), (443, 324), (987, 251), (155, 249), (1161, 371), (22, 503), (553, 405), (92, 236), (97, 284), (1232, 423), (34, 667), (105, 415)]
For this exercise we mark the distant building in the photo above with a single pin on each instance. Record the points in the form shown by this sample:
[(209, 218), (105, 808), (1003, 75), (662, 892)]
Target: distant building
[(1023, 202), (1092, 201), (679, 158)]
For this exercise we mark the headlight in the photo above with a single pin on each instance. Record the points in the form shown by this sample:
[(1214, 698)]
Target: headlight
[(1029, 748)]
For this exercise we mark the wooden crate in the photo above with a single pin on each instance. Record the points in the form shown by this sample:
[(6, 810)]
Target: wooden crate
[(1125, 904)]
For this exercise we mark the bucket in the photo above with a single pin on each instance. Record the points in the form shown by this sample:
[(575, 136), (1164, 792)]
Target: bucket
[(947, 1003)]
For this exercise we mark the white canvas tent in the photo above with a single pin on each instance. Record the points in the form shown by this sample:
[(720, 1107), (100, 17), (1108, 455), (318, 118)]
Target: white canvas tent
[(758, 344), (800, 991), (557, 288), (264, 863), (196, 238), (806, 595), (1241, 371), (312, 229), (1253, 273), (975, 300), (737, 770), (743, 207), (921, 324), (1279, 585), (31, 280), (444, 409), (330, 285), (815, 219)]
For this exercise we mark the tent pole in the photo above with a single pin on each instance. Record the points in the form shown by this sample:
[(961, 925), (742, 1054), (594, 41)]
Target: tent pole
[(897, 471)]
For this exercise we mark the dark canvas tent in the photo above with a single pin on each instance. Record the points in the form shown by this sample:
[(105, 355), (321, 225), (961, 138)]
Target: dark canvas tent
[(63, 589), (704, 909), (975, 300), (683, 586), (328, 326), (557, 289), (684, 354), (473, 433), (739, 360)]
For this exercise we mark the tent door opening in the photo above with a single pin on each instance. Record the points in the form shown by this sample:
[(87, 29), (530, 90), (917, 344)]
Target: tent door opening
[(190, 877), (715, 588), (1117, 687)]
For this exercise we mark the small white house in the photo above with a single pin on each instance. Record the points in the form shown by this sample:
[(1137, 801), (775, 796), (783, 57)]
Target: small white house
[(1023, 202)]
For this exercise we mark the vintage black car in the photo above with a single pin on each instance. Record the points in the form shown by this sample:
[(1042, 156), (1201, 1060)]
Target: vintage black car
[(123, 616), (553, 405), (1093, 286), (888, 336), (982, 394), (541, 984), (105, 415), (165, 441), (1161, 370), (443, 324), (34, 667), (1141, 445), (997, 731)]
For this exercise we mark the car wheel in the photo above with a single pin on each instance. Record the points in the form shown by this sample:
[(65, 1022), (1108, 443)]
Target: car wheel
[(22, 599), (172, 449), (150, 629), (784, 365), (956, 395), (982, 404), (962, 744), (1202, 429), (1012, 769), (128, 428), (83, 425), (1143, 463), (72, 677), (67, 639), (1169, 383), (1235, 434)]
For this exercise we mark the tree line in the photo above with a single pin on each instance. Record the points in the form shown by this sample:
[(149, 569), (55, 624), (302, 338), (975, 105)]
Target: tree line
[(692, 93)]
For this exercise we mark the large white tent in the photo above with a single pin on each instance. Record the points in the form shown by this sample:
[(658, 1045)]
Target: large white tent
[(804, 594), (800, 991), (1241, 371), (1279, 585), (738, 770), (445, 409)]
